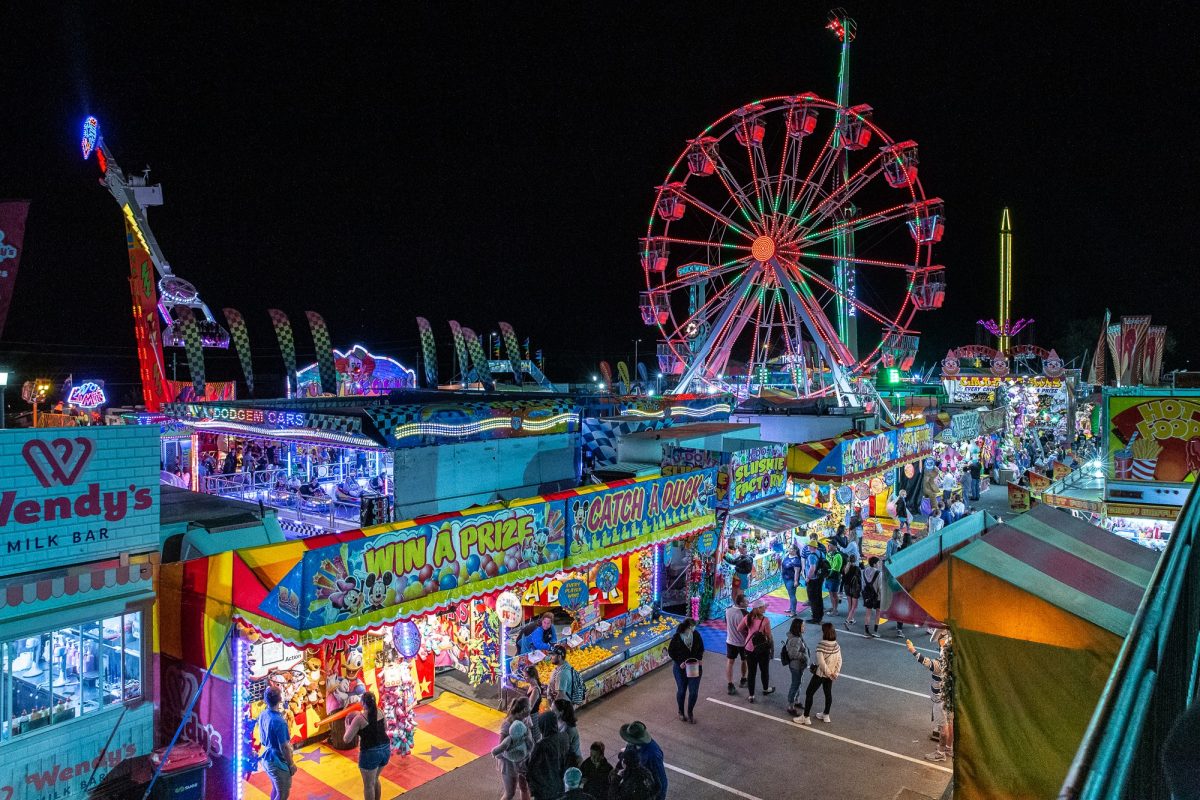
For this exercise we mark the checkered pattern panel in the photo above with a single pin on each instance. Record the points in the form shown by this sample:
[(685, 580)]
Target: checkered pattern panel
[(287, 343), (428, 352), (514, 350), (192, 346), (320, 334), (460, 350), (600, 436), (241, 340), (483, 372)]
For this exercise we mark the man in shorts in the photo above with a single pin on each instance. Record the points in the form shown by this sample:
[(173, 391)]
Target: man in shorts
[(735, 643)]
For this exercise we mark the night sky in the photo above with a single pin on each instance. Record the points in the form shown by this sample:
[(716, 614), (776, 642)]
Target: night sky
[(462, 161)]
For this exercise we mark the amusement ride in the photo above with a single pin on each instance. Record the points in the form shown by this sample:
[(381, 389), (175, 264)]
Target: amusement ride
[(789, 249)]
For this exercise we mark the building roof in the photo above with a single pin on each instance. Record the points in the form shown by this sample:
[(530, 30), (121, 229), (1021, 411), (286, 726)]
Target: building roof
[(208, 510)]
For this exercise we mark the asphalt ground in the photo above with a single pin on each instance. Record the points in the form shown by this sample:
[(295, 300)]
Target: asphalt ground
[(874, 747)]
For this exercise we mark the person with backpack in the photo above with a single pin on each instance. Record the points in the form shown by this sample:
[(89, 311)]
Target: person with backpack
[(565, 680), (374, 744), (852, 586), (816, 568), (871, 583), (649, 754), (792, 571), (824, 672), (760, 646), (629, 779), (735, 643), (687, 652), (833, 583), (794, 656)]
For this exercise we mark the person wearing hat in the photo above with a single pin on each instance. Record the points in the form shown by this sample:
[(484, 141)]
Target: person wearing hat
[(649, 754), (572, 779), (760, 645), (564, 680), (812, 555), (629, 779)]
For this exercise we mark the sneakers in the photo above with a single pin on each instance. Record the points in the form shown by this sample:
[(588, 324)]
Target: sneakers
[(791, 711), (743, 683), (751, 698), (824, 718), (768, 691), (936, 755), (731, 689), (868, 634), (802, 720)]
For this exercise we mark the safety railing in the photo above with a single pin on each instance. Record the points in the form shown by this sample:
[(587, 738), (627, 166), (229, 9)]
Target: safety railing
[(1152, 682)]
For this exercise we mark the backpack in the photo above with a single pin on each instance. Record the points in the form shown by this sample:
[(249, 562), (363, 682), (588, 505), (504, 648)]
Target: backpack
[(852, 580), (575, 688), (869, 593), (822, 565), (744, 564)]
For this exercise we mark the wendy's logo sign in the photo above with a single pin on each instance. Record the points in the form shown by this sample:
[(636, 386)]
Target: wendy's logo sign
[(59, 461)]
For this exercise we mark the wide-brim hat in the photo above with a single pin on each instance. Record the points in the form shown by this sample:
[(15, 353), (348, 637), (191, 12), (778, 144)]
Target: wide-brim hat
[(635, 733)]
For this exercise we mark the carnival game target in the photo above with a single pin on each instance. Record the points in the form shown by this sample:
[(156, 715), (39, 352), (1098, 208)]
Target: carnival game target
[(789, 248)]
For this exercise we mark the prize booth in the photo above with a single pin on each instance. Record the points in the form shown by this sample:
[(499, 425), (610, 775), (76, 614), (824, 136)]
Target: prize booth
[(864, 471)]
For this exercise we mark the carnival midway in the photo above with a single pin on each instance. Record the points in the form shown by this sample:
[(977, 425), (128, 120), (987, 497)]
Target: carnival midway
[(379, 578)]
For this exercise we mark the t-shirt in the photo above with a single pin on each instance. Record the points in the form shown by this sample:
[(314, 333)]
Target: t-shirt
[(811, 556), (274, 735), (733, 617)]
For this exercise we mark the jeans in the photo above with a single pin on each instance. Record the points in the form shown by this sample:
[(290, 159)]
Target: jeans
[(974, 487), (791, 590), (281, 782), (794, 688), (759, 661), (816, 603), (686, 687), (823, 683)]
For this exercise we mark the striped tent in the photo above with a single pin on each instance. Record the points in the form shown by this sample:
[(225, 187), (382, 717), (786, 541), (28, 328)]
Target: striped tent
[(1039, 607)]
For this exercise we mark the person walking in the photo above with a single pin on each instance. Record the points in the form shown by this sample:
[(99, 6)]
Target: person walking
[(816, 566), (871, 591), (893, 544), (824, 672), (687, 656), (596, 770), (512, 755), (631, 780), (518, 711), (548, 759), (791, 572), (760, 646), (833, 583), (735, 643), (649, 754), (567, 724), (374, 744), (903, 512), (277, 759), (856, 525), (794, 655), (852, 586)]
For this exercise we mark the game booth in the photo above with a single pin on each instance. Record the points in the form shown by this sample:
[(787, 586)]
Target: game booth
[(412, 609), (864, 470)]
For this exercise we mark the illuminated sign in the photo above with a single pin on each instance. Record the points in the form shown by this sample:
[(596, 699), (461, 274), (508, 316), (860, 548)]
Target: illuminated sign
[(69, 499), (91, 130), (1154, 438), (758, 473), (359, 373), (87, 395), (278, 418)]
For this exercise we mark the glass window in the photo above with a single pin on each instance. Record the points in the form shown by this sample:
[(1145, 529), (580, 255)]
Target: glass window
[(57, 676)]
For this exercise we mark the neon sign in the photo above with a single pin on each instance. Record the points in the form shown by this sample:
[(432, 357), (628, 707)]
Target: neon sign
[(91, 130), (87, 395)]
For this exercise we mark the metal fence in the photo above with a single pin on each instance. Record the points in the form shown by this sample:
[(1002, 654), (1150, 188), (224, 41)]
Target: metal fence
[(1152, 682)]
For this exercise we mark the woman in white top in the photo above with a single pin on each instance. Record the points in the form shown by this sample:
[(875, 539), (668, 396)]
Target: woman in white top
[(825, 671)]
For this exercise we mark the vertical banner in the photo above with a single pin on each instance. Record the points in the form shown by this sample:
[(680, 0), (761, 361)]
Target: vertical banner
[(428, 353), (623, 376), (514, 351), (144, 289), (1152, 354), (287, 345), (1097, 376), (482, 371), (241, 340), (606, 375), (12, 239), (1114, 350), (192, 346), (460, 351), (320, 335), (1133, 334)]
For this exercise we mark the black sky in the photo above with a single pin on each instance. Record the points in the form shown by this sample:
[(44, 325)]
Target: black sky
[(489, 162)]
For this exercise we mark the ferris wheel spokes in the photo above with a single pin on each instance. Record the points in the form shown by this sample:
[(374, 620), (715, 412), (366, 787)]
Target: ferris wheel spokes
[(700, 357), (856, 224)]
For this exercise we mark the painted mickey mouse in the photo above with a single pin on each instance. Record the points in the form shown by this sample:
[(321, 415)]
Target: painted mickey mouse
[(377, 590)]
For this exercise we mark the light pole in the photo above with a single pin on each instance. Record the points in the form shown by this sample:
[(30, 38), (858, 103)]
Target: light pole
[(658, 383), (3, 407), (636, 342)]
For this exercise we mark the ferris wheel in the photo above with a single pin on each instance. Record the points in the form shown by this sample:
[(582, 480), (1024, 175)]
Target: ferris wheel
[(788, 250)]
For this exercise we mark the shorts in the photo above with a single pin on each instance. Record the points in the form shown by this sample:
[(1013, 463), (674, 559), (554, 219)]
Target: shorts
[(733, 651), (939, 713), (374, 757), (833, 583)]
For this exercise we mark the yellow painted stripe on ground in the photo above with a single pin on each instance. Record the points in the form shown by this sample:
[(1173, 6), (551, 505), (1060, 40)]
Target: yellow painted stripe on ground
[(457, 757), (340, 771), (475, 713), (252, 792)]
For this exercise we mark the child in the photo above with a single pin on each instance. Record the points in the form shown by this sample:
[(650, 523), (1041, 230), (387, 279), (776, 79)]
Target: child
[(512, 754), (596, 770)]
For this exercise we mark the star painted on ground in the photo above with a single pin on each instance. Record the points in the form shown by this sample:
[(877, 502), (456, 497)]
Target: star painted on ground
[(434, 752), (315, 755)]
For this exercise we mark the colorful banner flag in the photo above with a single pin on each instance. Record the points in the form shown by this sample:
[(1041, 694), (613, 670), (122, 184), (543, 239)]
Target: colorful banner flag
[(514, 351), (1097, 375), (460, 351), (428, 353), (483, 372), (186, 323), (287, 345), (1114, 350), (324, 348), (606, 374), (241, 340), (1152, 354), (622, 374), (1133, 334), (12, 238)]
